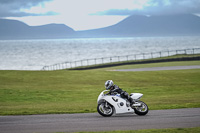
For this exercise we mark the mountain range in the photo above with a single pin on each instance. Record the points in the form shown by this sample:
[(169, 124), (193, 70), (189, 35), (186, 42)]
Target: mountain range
[(132, 26), (13, 29)]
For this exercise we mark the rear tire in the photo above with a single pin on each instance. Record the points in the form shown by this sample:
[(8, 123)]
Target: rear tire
[(141, 110), (105, 111)]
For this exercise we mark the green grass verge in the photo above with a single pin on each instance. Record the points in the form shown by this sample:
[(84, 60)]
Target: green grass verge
[(121, 63), (173, 130), (46, 92), (163, 64)]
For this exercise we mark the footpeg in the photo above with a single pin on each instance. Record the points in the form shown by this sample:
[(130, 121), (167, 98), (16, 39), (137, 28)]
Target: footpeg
[(136, 104)]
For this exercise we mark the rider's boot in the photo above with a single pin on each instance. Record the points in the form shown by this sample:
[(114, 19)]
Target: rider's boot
[(132, 101)]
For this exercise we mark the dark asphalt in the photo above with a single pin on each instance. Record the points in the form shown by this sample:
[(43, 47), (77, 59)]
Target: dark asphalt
[(162, 68), (175, 118)]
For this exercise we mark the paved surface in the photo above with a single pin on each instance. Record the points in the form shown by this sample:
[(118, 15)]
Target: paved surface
[(176, 118), (161, 68)]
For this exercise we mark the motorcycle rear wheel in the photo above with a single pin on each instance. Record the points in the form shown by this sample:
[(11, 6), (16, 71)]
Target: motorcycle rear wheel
[(105, 111), (141, 110)]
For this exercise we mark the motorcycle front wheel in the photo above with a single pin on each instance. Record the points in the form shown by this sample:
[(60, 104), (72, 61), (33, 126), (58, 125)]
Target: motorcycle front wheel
[(141, 110), (105, 110)]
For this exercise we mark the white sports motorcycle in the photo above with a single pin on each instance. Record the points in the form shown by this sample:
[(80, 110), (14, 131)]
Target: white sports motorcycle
[(115, 104)]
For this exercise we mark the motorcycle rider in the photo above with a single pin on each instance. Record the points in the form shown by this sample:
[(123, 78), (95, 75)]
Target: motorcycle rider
[(109, 85)]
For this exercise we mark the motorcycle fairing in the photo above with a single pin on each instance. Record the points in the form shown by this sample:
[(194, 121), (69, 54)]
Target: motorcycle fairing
[(116, 102)]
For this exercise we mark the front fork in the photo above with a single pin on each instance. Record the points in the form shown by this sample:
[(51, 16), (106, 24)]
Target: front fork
[(106, 104)]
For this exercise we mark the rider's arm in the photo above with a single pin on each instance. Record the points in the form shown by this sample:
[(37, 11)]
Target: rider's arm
[(116, 89)]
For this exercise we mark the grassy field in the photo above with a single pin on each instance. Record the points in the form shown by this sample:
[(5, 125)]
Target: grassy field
[(175, 130), (65, 91)]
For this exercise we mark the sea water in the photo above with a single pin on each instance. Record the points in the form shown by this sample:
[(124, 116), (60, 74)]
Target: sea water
[(34, 54)]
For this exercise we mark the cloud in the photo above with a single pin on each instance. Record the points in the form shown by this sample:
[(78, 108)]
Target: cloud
[(14, 8), (159, 7), (21, 8)]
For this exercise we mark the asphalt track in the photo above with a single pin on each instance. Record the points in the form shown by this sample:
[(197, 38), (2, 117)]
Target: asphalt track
[(162, 68), (155, 119)]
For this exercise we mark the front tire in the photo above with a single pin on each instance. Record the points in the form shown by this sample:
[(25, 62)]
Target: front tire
[(141, 110), (105, 109)]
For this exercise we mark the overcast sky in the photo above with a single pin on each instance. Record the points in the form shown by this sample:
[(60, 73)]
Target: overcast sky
[(90, 14)]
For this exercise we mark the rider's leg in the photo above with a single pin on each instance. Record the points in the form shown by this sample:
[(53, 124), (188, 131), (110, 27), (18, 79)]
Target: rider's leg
[(128, 97)]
